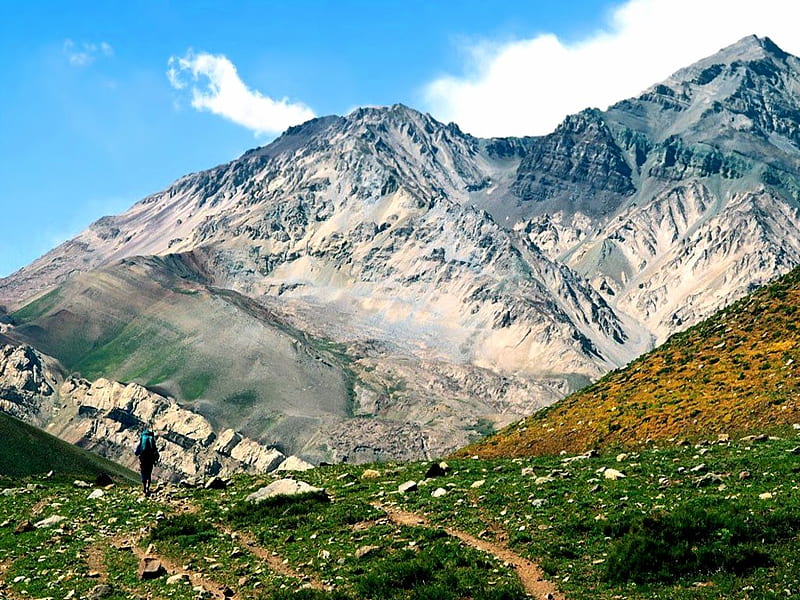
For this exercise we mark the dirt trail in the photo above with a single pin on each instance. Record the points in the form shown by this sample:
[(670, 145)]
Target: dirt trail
[(273, 562), (529, 573), (6, 592)]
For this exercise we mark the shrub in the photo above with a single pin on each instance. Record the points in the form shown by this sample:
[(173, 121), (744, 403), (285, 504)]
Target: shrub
[(183, 530), (693, 540)]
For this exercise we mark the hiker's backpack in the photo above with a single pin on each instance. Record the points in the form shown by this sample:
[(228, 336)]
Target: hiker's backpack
[(147, 443)]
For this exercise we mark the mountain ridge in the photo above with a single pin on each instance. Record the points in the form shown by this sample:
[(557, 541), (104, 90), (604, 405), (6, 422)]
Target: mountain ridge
[(543, 262)]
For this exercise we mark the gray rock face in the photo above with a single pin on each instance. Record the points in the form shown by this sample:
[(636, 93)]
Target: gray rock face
[(467, 277)]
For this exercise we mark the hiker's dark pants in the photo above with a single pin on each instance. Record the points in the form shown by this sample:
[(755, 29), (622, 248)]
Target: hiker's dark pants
[(146, 467)]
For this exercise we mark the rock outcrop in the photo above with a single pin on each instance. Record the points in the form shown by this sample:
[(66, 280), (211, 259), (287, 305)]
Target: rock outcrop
[(107, 416)]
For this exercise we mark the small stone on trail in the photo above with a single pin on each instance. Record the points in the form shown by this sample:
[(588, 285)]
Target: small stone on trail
[(408, 486)]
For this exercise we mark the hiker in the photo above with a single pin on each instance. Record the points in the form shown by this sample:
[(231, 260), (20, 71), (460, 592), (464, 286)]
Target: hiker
[(148, 456)]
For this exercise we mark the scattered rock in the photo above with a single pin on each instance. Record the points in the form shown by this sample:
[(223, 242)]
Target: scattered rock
[(795, 450), (539, 502), (439, 469), (543, 480), (81, 484), (528, 472), (103, 480), (370, 474), (708, 479), (216, 483), (98, 493), (438, 492), (477, 484), (98, 592), (765, 496), (756, 438), (24, 527), (622, 457), (364, 550), (49, 521), (150, 568), (613, 474), (177, 578), (744, 475), (284, 487), (699, 468), (408, 486), (294, 463)]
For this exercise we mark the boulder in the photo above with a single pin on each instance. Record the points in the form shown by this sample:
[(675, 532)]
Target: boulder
[(408, 486), (364, 550), (283, 487), (150, 568), (50, 521), (216, 483), (613, 474), (24, 527), (103, 480), (100, 591), (439, 469), (294, 463)]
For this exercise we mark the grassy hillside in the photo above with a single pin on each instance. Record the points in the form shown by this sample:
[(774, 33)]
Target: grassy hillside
[(150, 321), (736, 373), (26, 451), (713, 521)]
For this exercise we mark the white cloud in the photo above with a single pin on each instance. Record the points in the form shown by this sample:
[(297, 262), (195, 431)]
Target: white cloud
[(216, 87), (85, 53), (527, 87)]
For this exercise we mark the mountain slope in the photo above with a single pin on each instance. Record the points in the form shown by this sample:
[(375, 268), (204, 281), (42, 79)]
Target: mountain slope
[(28, 451), (500, 273), (736, 373)]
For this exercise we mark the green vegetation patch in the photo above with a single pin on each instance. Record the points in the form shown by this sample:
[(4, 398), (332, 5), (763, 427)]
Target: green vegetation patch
[(26, 450), (184, 530), (695, 540)]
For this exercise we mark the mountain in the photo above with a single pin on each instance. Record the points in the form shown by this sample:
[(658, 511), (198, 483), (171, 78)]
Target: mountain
[(437, 285), (734, 374)]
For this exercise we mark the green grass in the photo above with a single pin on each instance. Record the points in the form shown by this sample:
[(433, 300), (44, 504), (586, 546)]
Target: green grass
[(37, 308), (671, 529), (26, 450)]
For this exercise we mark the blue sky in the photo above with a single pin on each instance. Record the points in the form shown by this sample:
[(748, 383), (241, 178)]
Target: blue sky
[(91, 120)]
